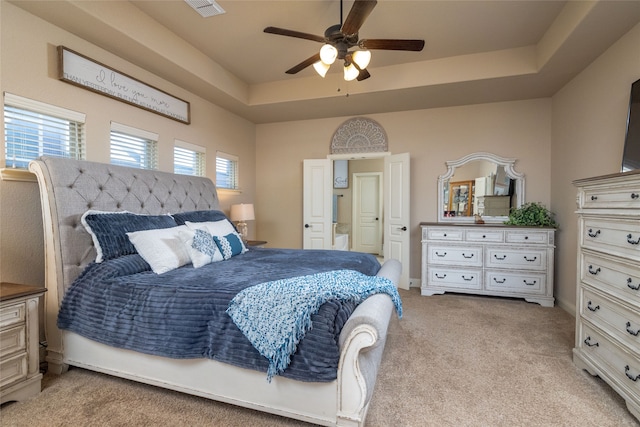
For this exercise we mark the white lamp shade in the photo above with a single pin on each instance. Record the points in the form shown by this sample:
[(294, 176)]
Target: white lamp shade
[(321, 68), (362, 58), (328, 54), (242, 212), (350, 72)]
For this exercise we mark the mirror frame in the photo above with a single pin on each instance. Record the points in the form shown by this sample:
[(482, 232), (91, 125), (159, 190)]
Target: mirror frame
[(508, 165)]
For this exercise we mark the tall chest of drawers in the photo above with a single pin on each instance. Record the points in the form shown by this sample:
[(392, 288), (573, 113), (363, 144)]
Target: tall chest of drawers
[(20, 376), (486, 259), (608, 282)]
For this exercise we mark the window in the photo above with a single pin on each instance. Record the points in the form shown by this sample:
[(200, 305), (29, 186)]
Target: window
[(33, 129), (189, 159), (227, 171), (133, 147)]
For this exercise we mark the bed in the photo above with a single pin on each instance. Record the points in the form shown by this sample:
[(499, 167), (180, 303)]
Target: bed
[(71, 188)]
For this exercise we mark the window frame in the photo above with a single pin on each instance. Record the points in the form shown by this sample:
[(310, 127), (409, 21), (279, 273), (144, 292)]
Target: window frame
[(200, 154), (149, 152), (235, 161)]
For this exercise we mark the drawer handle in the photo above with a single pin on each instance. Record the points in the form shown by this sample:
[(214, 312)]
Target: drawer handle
[(588, 342), (626, 372), (530, 259), (440, 277), (631, 331), (500, 259), (526, 237), (467, 279), (499, 281), (592, 271), (629, 237), (529, 283), (594, 197), (630, 285), (591, 308), (467, 257), (635, 195), (441, 255), (592, 234)]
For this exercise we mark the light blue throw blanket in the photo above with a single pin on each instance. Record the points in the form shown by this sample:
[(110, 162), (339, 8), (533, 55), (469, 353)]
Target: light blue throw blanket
[(275, 315)]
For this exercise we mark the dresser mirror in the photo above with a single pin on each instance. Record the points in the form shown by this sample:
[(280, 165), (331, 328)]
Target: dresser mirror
[(479, 183)]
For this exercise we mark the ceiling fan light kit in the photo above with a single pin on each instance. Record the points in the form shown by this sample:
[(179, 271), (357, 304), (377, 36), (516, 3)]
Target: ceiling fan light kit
[(338, 39)]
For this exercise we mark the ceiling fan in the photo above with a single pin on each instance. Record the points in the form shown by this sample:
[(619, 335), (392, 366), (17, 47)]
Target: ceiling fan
[(338, 39)]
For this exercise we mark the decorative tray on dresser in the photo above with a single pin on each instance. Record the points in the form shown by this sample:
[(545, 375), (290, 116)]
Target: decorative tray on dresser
[(488, 259), (608, 282)]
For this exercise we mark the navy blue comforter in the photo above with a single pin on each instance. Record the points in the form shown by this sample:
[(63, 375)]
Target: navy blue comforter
[(182, 314)]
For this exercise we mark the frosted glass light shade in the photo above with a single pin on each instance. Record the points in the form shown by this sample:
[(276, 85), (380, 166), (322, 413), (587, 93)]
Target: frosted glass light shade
[(321, 68), (350, 72), (242, 212), (362, 58), (328, 54)]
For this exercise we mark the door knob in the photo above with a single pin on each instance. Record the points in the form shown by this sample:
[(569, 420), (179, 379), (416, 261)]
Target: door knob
[(307, 226), (403, 229)]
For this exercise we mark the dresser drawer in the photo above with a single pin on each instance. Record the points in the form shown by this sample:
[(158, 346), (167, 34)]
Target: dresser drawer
[(458, 255), (610, 276), (13, 340), (527, 237), (611, 317), (458, 278), (521, 282), (493, 236), (612, 197), (13, 369), (443, 234), (12, 315), (619, 237), (617, 364), (508, 258)]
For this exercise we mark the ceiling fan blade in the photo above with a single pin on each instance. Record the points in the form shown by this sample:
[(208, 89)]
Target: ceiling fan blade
[(357, 15), (363, 75), (291, 33), (392, 44), (304, 64)]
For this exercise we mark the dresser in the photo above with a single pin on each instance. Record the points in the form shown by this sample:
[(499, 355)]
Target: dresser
[(20, 375), (487, 259), (608, 282)]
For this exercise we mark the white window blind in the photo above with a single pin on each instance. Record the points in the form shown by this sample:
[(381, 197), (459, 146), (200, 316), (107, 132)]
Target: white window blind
[(133, 147), (227, 171), (189, 159), (33, 129)]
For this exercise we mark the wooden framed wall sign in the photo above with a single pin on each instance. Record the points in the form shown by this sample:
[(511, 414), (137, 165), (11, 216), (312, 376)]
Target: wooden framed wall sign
[(86, 73)]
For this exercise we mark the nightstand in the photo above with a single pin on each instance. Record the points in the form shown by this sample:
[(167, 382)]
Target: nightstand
[(20, 376), (256, 243)]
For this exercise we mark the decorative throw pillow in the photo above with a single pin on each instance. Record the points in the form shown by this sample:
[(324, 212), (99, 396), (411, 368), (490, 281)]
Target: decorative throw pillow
[(198, 216), (109, 230), (230, 245), (215, 228), (201, 247), (162, 248)]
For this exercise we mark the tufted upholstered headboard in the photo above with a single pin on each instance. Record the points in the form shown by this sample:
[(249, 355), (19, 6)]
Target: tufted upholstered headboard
[(68, 188)]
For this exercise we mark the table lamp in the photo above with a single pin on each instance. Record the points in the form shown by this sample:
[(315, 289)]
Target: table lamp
[(242, 213)]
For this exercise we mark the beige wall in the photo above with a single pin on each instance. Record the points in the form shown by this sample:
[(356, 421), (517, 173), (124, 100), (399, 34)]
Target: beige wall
[(29, 69), (589, 124), (521, 130)]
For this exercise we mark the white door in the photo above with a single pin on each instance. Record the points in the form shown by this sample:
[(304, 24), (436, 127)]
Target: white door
[(316, 211), (367, 212), (396, 212)]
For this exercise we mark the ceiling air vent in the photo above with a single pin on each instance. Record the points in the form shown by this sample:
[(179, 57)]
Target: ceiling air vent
[(206, 8)]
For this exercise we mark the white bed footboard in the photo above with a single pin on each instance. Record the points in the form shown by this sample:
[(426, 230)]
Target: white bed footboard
[(69, 187)]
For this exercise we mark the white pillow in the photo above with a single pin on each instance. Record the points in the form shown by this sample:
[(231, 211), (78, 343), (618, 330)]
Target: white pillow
[(161, 248), (205, 250), (215, 228)]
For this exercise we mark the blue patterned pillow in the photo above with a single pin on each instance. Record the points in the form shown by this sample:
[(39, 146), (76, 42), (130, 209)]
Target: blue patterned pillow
[(109, 230), (230, 245), (198, 216), (201, 247)]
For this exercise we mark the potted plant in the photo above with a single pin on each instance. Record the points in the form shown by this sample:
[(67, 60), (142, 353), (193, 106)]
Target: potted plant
[(532, 214)]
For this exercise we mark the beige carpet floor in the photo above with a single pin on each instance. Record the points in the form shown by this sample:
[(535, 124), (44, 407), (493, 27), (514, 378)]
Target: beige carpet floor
[(453, 360)]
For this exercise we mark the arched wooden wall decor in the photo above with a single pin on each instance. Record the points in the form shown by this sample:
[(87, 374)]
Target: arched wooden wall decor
[(359, 135)]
